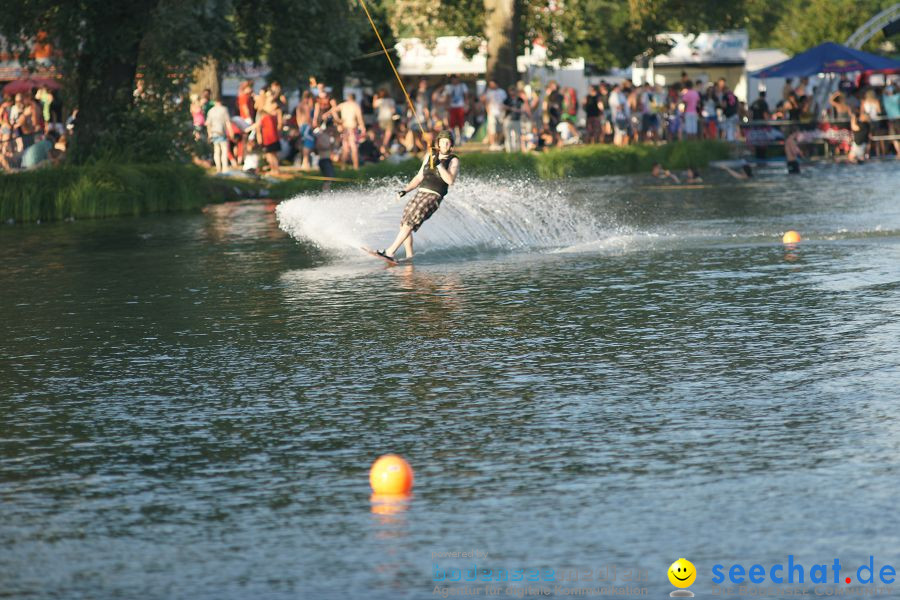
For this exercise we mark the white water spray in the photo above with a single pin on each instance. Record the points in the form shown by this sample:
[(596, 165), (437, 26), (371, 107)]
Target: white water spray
[(490, 214)]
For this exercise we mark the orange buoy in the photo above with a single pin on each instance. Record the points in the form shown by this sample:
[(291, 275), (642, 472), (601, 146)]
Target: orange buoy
[(791, 237), (391, 475), (389, 505)]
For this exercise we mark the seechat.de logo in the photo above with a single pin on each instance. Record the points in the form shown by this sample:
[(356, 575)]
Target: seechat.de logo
[(795, 572)]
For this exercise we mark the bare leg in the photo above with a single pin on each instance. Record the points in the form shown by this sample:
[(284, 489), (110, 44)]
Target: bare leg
[(305, 164), (408, 246), (405, 232)]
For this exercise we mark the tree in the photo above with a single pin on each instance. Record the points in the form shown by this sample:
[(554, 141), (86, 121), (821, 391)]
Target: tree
[(808, 23), (607, 33), (103, 45), (501, 30)]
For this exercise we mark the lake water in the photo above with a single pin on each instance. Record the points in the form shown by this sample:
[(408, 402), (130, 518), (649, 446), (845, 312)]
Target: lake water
[(592, 374)]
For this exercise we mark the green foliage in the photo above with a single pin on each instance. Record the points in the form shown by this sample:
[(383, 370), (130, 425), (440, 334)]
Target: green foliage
[(101, 189), (611, 33), (808, 23), (760, 20), (105, 45), (608, 33)]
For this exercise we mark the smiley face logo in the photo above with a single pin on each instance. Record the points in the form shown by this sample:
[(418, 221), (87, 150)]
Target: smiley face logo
[(682, 573)]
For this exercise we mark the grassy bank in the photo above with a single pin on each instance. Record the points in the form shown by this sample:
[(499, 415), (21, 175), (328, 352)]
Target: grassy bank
[(109, 189), (576, 161)]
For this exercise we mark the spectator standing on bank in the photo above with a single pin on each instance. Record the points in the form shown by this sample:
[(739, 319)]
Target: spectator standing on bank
[(217, 123), (353, 128), (691, 100), (6, 128), (440, 101), (846, 87), (532, 115), (512, 120), (552, 105), (620, 115), (206, 99), (245, 103), (45, 97), (29, 122), (419, 128), (570, 105), (268, 131), (871, 106), (592, 115), (15, 112), (325, 105), (891, 102), (759, 109), (494, 98), (730, 114), (458, 95), (710, 113), (385, 111), (605, 122), (860, 126), (303, 114)]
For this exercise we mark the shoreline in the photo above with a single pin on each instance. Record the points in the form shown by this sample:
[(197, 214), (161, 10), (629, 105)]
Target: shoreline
[(107, 189)]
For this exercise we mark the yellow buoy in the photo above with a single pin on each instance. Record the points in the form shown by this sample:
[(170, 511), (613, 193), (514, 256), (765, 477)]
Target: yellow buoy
[(791, 237), (391, 475)]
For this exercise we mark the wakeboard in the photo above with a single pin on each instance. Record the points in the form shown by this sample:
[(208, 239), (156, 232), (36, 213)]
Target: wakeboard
[(393, 262)]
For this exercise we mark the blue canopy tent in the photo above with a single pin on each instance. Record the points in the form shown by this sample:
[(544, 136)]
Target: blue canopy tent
[(828, 58)]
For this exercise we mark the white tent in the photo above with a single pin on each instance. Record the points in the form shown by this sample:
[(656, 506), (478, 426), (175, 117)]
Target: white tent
[(760, 59)]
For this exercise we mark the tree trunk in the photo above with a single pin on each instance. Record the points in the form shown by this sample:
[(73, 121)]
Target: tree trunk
[(206, 77), (501, 30), (106, 70)]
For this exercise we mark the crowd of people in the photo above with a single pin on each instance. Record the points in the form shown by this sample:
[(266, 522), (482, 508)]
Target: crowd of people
[(260, 130), (365, 127), (32, 133)]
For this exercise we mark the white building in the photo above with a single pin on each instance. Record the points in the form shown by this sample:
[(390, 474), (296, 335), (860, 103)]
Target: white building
[(706, 56), (416, 60)]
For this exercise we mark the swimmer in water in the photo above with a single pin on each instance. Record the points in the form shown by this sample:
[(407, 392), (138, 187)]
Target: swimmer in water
[(660, 173), (746, 171), (693, 176), (792, 152), (438, 172)]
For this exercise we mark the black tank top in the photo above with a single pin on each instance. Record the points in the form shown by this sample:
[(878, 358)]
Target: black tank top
[(862, 136), (431, 179)]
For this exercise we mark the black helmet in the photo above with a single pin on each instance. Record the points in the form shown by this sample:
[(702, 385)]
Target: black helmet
[(445, 134)]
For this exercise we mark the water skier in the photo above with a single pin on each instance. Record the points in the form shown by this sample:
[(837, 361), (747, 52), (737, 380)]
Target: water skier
[(439, 170)]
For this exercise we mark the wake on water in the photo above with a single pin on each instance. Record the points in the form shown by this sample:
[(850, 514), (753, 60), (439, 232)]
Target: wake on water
[(477, 216)]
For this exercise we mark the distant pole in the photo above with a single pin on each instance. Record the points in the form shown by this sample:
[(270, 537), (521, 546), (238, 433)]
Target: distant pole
[(501, 30)]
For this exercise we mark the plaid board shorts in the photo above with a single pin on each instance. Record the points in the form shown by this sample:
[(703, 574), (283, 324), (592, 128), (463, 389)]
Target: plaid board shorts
[(420, 208)]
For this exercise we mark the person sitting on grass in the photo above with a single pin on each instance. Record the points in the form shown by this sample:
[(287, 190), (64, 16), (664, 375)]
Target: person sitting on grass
[(251, 157), (39, 153)]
